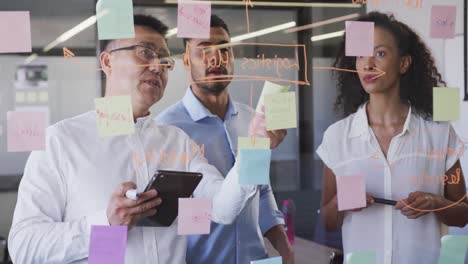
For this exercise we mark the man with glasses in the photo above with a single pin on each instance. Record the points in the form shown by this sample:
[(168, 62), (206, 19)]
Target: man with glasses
[(210, 117), (81, 178)]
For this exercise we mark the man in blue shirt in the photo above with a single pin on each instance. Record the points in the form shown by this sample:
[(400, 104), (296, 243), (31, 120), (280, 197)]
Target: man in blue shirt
[(213, 120)]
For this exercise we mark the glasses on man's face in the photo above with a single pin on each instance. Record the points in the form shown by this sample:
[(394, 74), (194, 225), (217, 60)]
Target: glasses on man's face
[(149, 56)]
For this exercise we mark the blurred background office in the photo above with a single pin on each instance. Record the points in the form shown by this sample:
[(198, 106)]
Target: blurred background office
[(45, 81)]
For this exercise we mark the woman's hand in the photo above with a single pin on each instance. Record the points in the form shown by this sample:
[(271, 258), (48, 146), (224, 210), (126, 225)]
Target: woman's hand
[(370, 201), (418, 204)]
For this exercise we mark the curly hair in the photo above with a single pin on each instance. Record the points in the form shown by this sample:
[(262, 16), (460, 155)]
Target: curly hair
[(415, 85)]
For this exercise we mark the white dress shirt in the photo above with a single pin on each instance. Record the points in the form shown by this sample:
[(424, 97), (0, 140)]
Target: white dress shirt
[(350, 147), (66, 189)]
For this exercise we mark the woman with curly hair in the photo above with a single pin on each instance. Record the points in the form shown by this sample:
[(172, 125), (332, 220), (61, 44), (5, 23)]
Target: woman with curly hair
[(386, 135)]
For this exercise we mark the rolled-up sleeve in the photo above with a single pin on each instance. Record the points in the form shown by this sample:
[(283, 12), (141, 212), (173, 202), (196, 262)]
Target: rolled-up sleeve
[(269, 215), (455, 148), (38, 233)]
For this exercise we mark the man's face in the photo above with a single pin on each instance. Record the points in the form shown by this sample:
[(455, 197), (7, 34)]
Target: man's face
[(207, 64), (133, 72)]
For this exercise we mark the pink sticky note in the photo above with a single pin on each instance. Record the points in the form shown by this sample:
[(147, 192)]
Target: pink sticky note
[(107, 245), (351, 192), (194, 216), (359, 38), (193, 19), (15, 32), (443, 21), (26, 131)]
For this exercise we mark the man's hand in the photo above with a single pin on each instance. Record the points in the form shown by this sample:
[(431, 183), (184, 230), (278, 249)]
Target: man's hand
[(124, 211), (257, 128), (413, 207)]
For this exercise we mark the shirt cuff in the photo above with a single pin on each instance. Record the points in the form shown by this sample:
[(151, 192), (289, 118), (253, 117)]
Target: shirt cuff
[(269, 223), (97, 218)]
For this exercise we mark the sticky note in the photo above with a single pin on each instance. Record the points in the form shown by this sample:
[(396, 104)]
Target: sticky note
[(280, 111), (443, 19), (31, 97), (351, 192), (107, 244), (15, 31), (446, 104), (114, 116), (453, 249), (275, 260), (269, 88), (115, 19), (26, 131), (254, 166), (193, 19), (359, 38), (194, 216), (43, 97), (253, 143), (361, 258), (20, 97)]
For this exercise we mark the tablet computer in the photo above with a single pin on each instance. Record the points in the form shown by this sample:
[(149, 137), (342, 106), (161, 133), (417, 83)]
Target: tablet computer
[(170, 185)]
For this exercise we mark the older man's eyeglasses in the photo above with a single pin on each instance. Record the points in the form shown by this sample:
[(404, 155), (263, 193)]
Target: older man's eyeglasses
[(150, 56)]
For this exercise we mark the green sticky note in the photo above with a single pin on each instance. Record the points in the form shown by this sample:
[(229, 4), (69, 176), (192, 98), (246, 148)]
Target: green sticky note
[(114, 116), (453, 249), (361, 258), (115, 19), (254, 166), (280, 111), (253, 143), (269, 88), (446, 104)]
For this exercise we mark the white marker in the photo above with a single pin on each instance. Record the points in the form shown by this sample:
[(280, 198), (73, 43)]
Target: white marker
[(132, 194)]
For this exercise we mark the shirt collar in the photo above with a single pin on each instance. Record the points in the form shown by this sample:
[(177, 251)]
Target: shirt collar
[(360, 124), (198, 111)]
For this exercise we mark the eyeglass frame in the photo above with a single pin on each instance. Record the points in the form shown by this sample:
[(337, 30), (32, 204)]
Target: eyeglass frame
[(169, 66)]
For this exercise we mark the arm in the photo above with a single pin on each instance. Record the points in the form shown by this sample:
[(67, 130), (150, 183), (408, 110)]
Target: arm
[(278, 238), (331, 217), (38, 233), (271, 223), (228, 196)]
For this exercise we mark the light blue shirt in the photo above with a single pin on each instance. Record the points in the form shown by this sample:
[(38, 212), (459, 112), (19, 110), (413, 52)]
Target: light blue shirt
[(242, 241)]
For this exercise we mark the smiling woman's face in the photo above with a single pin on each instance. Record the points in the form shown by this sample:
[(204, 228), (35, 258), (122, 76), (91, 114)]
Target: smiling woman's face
[(386, 58)]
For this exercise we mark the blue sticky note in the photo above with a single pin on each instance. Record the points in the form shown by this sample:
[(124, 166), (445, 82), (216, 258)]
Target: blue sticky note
[(361, 258), (453, 249), (115, 19), (275, 260), (254, 166)]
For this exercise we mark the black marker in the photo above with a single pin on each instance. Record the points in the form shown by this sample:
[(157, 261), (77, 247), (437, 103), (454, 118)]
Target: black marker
[(385, 201)]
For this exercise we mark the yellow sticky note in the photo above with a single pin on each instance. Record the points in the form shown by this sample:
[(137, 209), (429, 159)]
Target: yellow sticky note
[(253, 143), (31, 97), (446, 104), (114, 116), (269, 88), (20, 97), (43, 97), (280, 111)]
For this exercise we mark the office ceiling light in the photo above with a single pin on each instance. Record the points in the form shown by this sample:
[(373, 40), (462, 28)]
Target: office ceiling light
[(30, 58), (323, 23), (171, 32), (327, 36), (70, 33), (263, 31), (279, 4)]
